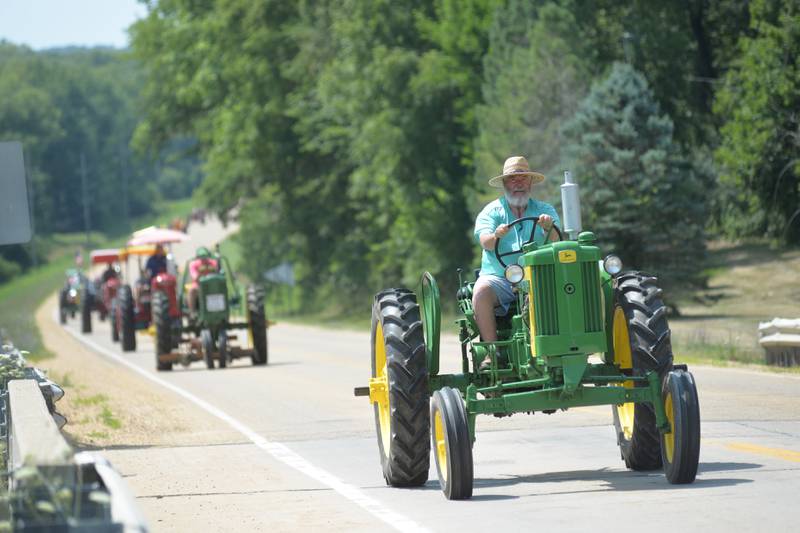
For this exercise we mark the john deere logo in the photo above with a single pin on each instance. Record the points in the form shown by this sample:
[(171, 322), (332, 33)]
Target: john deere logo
[(569, 288), (567, 256)]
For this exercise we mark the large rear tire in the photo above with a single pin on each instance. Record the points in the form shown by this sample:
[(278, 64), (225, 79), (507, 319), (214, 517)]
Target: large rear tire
[(86, 311), (62, 306), (112, 321), (258, 325), (222, 348), (126, 318), (641, 338), (402, 419), (680, 449), (163, 324), (207, 341), (451, 443)]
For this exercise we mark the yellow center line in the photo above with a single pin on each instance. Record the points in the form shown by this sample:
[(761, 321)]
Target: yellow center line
[(786, 455)]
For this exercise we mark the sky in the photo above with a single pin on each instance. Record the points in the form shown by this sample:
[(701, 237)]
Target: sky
[(44, 24)]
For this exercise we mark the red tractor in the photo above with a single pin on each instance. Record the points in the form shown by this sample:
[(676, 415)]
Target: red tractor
[(102, 291), (133, 307)]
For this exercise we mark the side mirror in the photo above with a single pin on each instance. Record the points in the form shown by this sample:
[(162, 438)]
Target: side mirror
[(15, 220)]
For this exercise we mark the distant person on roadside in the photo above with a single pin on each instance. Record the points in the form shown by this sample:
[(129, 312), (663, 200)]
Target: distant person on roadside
[(156, 263), (493, 293), (201, 265)]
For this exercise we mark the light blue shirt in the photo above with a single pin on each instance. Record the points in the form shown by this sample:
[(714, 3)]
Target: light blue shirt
[(498, 212)]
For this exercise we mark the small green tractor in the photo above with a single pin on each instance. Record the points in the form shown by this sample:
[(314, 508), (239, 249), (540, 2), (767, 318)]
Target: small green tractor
[(581, 333), (205, 334)]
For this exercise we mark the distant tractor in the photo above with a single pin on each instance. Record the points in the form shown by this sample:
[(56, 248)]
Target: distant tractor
[(70, 298), (212, 307), (102, 290), (571, 304), (133, 306)]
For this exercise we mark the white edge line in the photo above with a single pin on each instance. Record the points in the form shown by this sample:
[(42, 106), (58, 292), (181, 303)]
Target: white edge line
[(277, 450)]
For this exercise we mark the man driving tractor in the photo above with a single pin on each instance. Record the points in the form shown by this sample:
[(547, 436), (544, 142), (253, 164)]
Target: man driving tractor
[(493, 294), (201, 265), (156, 263)]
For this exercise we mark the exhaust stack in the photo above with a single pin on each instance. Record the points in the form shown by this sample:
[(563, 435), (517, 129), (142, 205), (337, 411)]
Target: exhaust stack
[(571, 206)]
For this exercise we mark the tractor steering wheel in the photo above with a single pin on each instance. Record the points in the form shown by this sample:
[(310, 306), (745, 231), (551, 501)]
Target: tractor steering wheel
[(500, 256)]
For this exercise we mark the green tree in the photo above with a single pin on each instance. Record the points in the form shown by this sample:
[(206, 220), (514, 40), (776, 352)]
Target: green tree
[(640, 195), (759, 156), (534, 81)]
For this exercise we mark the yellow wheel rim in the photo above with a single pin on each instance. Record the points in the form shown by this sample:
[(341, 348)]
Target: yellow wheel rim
[(623, 357), (441, 446), (669, 438), (379, 388)]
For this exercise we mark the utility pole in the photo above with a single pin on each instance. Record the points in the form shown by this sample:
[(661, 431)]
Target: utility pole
[(124, 176), (85, 189), (31, 208)]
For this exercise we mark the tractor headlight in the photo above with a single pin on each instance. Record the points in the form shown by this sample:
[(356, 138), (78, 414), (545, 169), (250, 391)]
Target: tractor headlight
[(612, 264), (73, 293), (514, 274)]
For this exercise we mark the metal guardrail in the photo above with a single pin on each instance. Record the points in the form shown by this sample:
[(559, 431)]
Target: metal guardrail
[(52, 488), (780, 338)]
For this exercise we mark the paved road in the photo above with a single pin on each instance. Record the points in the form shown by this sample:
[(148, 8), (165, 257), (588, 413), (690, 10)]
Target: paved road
[(302, 454)]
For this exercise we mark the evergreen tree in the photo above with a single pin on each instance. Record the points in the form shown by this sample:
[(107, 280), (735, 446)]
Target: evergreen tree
[(640, 196)]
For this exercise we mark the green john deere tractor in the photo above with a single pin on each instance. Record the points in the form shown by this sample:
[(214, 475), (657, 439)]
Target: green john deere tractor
[(206, 333), (580, 333)]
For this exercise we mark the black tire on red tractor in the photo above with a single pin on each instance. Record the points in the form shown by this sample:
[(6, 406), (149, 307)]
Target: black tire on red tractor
[(680, 449), (112, 321), (398, 356), (163, 325), (86, 311), (642, 318), (451, 444), (258, 325), (127, 324)]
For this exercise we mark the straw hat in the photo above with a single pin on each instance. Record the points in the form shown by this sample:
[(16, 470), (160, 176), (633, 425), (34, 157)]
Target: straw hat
[(515, 166)]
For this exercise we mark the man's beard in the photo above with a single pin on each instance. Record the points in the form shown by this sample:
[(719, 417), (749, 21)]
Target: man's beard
[(517, 201)]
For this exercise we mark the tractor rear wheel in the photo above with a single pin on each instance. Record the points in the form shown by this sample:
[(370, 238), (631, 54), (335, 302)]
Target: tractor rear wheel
[(86, 311), (257, 319), (163, 326), (641, 340), (126, 319), (451, 444), (112, 321), (222, 348), (401, 407), (62, 306), (207, 340), (680, 449)]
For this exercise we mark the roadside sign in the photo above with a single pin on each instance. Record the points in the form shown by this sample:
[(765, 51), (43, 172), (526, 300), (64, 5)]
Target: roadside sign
[(15, 220), (283, 273)]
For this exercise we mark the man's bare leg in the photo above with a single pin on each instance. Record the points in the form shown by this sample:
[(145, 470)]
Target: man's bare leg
[(484, 300)]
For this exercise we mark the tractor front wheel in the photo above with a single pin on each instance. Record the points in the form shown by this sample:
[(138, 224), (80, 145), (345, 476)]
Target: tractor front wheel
[(680, 448), (163, 324), (399, 388), (257, 319), (641, 342), (451, 444), (125, 318)]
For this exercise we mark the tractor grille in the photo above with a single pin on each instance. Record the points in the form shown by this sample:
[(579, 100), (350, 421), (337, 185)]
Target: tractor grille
[(592, 314), (544, 290)]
